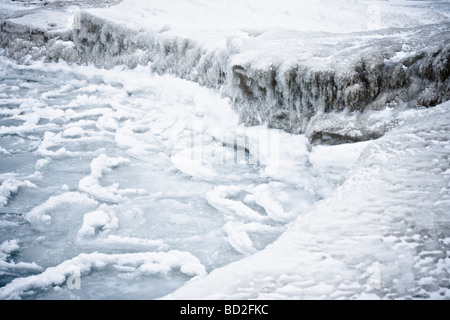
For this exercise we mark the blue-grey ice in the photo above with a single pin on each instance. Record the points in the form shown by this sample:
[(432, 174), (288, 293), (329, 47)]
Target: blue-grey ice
[(226, 150)]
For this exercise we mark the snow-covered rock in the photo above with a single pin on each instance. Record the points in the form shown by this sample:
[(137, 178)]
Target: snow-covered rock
[(282, 63)]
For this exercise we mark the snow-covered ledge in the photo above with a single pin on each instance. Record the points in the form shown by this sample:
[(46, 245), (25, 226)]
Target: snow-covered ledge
[(310, 67)]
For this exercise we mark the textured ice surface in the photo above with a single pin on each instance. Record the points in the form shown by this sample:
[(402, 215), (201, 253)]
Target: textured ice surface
[(383, 233), (144, 227), (282, 63), (123, 184), (103, 171)]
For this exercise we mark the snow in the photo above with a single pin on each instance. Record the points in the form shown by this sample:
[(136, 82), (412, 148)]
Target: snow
[(91, 184), (7, 265), (41, 213), (97, 220), (205, 20), (238, 238), (73, 132), (41, 163), (229, 150), (254, 52), (10, 187), (4, 151), (193, 168), (139, 264), (118, 189), (263, 195), (218, 199), (365, 229), (103, 164), (43, 20), (9, 246)]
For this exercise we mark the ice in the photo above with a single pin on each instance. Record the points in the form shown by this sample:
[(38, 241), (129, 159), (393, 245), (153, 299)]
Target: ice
[(276, 73), (120, 241), (103, 164), (382, 201), (191, 167), (238, 235), (47, 21), (238, 238), (91, 184), (264, 197), (73, 132), (218, 199), (41, 163), (8, 267), (50, 140), (9, 246), (10, 187), (4, 151), (283, 144), (280, 64), (139, 264), (41, 213), (108, 180), (254, 17), (97, 221)]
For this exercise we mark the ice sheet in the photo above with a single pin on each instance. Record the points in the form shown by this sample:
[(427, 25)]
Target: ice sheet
[(121, 162), (123, 178)]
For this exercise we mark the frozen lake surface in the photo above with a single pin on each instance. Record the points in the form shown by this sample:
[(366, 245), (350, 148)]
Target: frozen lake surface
[(140, 181), (130, 185)]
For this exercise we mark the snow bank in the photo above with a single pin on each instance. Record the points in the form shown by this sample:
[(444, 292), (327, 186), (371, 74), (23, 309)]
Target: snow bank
[(382, 234), (282, 63)]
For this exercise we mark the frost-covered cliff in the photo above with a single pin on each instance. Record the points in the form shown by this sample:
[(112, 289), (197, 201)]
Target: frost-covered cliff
[(290, 66)]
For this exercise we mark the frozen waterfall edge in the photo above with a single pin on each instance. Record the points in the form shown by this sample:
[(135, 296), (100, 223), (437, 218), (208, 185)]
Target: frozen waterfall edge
[(322, 94)]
